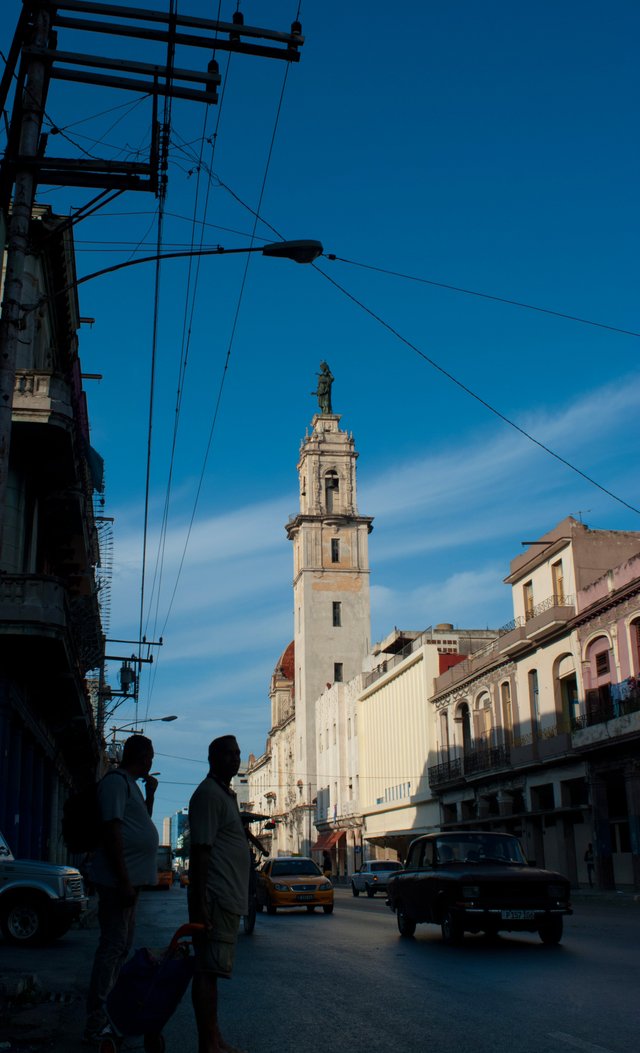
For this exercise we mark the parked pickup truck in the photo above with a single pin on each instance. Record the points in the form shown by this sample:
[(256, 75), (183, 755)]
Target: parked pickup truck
[(38, 901), (475, 881)]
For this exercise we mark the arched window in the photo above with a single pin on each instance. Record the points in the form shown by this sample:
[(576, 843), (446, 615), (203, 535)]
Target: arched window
[(464, 716), (484, 719), (444, 731), (331, 491), (566, 691), (598, 678), (634, 630)]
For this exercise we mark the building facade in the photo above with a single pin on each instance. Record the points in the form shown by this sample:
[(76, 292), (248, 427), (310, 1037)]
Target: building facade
[(50, 627), (538, 734)]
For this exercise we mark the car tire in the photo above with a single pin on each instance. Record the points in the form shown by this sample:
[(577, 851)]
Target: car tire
[(550, 931), (328, 909), (23, 921), (452, 929), (406, 925), (370, 891), (355, 891), (270, 907)]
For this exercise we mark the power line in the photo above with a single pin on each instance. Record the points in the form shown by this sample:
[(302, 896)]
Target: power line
[(482, 295), (403, 339)]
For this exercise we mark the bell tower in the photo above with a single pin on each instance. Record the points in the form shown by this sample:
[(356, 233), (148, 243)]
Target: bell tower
[(330, 576)]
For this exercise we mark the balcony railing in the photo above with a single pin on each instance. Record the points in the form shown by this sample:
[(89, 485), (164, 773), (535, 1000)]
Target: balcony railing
[(619, 701), (448, 771), (474, 762), (486, 759)]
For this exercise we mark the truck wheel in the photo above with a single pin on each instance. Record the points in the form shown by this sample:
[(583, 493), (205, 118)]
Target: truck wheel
[(370, 892), (452, 929), (550, 930), (354, 890), (23, 920), (406, 925)]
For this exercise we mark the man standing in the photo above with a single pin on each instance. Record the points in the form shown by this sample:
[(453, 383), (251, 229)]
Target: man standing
[(124, 861), (218, 885)]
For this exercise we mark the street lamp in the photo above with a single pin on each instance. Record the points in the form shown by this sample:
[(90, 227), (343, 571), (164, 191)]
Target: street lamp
[(114, 748), (304, 250), (13, 311), (132, 724)]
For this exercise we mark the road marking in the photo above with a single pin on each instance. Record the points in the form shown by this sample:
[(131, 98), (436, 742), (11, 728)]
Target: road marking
[(578, 1043)]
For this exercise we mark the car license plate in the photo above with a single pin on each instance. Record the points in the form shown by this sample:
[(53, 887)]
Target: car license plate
[(517, 915), (304, 898)]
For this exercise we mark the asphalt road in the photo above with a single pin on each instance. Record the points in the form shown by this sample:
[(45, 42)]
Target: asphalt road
[(349, 981)]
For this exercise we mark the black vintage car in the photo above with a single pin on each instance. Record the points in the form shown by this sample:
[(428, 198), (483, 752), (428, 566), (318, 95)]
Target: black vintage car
[(472, 881)]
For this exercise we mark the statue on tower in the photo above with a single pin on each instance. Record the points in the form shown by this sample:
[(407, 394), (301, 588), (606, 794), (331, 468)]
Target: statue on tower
[(325, 380)]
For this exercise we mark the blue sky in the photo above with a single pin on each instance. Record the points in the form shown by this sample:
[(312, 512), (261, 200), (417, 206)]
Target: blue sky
[(490, 147)]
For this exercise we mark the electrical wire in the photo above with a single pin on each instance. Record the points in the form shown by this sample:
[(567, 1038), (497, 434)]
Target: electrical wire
[(482, 295), (483, 402), (230, 345)]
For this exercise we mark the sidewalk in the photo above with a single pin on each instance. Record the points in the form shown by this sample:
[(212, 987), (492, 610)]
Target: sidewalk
[(42, 992)]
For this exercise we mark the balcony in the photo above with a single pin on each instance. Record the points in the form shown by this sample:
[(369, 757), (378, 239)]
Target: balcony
[(39, 605), (474, 762), (610, 712), (449, 771), (31, 602), (546, 617), (39, 397), (513, 637)]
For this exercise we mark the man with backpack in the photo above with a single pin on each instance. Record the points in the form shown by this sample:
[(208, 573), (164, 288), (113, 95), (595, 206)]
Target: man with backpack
[(124, 861)]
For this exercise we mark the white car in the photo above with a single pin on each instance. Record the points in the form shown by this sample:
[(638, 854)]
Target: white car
[(38, 900), (372, 877)]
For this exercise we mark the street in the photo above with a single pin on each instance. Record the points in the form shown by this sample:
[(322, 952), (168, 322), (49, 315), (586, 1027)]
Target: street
[(349, 980)]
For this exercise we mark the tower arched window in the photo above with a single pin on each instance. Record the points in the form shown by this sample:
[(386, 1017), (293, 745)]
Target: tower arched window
[(331, 491)]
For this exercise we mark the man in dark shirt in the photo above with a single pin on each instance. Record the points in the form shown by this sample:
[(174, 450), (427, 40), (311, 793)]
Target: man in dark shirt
[(218, 885)]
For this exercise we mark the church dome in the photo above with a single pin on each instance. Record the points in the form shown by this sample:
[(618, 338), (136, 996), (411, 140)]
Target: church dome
[(286, 664)]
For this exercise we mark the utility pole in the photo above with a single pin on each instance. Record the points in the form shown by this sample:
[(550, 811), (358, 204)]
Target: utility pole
[(35, 59)]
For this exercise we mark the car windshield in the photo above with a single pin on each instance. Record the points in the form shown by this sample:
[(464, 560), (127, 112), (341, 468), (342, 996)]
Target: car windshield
[(294, 866), (479, 848), (385, 864)]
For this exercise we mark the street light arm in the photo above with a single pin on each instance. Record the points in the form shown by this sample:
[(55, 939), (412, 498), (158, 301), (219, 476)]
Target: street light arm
[(302, 251)]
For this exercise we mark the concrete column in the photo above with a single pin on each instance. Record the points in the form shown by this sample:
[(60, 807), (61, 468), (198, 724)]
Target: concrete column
[(601, 832), (632, 785)]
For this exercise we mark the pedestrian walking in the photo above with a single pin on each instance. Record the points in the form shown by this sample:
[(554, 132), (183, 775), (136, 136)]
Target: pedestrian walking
[(124, 861), (219, 864), (589, 860), (327, 865)]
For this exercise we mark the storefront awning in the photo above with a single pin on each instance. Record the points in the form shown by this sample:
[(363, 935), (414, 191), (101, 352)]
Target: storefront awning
[(327, 841)]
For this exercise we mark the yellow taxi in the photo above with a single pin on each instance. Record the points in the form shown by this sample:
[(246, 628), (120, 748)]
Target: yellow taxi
[(293, 881)]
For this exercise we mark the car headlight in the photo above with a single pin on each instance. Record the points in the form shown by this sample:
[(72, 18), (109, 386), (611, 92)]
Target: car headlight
[(470, 891), (325, 886), (282, 888)]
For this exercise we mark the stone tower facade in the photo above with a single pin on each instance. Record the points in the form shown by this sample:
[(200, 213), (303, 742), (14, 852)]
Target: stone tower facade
[(330, 579)]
